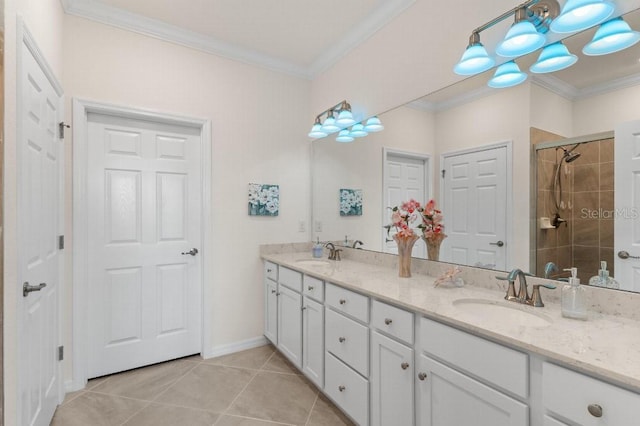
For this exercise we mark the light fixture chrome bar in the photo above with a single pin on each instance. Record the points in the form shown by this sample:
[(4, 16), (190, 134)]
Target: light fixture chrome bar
[(504, 16), (340, 106)]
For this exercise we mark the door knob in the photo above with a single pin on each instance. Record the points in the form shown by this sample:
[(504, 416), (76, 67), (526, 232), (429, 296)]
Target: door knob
[(422, 376), (499, 243), (192, 252), (26, 288), (595, 410), (625, 255), (404, 365)]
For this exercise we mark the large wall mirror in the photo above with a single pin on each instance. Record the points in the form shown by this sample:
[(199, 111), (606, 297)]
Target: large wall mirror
[(489, 157)]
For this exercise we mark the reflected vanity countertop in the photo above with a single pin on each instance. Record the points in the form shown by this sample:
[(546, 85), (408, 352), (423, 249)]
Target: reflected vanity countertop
[(605, 345)]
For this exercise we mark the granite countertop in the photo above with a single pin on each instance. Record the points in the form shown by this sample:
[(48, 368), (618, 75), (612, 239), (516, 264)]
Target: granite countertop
[(606, 346)]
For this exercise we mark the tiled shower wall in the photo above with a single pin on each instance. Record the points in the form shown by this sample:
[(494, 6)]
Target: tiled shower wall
[(587, 183)]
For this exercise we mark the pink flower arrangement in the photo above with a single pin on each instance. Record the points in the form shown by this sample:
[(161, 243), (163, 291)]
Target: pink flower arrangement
[(432, 227), (403, 216)]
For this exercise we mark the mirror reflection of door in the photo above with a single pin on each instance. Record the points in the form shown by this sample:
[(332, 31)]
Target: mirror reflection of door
[(474, 204), (627, 206), (405, 177)]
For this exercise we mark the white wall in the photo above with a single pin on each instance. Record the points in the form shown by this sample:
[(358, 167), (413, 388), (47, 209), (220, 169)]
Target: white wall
[(551, 112), (601, 113), (44, 18), (259, 124)]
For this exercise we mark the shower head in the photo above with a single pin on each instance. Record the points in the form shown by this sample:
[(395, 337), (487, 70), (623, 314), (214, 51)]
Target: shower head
[(569, 155)]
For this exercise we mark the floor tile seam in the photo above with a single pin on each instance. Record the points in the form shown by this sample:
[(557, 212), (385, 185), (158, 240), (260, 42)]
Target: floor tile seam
[(119, 396), (172, 405), (267, 360), (240, 393), (135, 414), (312, 407), (258, 419), (169, 385), (80, 393)]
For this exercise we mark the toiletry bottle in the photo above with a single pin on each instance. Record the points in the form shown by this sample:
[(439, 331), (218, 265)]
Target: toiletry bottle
[(317, 249), (574, 298), (346, 241)]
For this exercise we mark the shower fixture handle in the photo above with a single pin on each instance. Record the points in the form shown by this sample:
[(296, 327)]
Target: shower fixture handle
[(498, 243), (625, 255)]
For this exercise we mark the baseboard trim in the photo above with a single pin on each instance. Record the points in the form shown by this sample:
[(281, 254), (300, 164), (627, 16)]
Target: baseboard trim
[(230, 348)]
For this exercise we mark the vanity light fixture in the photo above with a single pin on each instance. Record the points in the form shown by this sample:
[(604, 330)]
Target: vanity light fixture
[(578, 15), (507, 75), (345, 124), (612, 36), (554, 57), (522, 38), (475, 58)]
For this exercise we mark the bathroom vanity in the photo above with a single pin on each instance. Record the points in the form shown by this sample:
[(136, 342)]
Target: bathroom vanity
[(399, 351)]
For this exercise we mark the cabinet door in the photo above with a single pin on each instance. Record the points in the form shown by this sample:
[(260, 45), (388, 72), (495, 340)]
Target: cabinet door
[(290, 324), (271, 311), (447, 397), (313, 341), (391, 382)]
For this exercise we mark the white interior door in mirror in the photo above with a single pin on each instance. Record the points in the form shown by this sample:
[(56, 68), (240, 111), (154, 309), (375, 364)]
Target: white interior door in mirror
[(627, 205), (405, 178), (474, 205)]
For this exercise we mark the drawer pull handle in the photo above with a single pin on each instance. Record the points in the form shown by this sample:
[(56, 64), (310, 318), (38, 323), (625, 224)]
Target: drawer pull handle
[(388, 321), (595, 410), (268, 270), (341, 339), (278, 294), (422, 376), (404, 365), (342, 301), (303, 308), (273, 291), (341, 388), (310, 288)]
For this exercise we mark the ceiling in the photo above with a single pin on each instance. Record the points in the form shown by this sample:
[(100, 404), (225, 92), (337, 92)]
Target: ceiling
[(300, 37)]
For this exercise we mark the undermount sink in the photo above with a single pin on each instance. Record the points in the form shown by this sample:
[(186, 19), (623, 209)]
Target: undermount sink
[(313, 262), (508, 313)]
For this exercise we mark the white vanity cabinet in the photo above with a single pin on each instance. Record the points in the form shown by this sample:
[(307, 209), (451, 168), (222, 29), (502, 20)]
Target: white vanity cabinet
[(271, 302), (313, 340), (574, 398), (392, 366), (466, 380), (290, 325)]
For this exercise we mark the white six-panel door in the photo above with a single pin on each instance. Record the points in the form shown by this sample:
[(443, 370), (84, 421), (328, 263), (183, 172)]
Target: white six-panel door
[(627, 205), (474, 205), (405, 178), (144, 201), (39, 214)]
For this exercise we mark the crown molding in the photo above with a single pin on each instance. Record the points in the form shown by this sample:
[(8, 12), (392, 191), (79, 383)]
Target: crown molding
[(105, 14), (555, 85)]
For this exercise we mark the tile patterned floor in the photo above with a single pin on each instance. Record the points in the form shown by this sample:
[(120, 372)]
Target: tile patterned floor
[(258, 387)]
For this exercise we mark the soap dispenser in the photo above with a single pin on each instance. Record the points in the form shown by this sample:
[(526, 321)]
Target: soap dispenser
[(317, 249), (603, 279), (574, 298)]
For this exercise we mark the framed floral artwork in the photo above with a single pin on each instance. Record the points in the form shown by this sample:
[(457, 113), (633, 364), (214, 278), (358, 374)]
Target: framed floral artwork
[(264, 200), (351, 202)]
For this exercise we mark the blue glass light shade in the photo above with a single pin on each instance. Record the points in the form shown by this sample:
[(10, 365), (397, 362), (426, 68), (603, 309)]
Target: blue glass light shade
[(474, 61), (612, 36), (521, 39), (357, 131), (373, 125), (554, 57), (578, 15), (507, 75), (316, 131), (345, 118), (344, 136), (329, 125)]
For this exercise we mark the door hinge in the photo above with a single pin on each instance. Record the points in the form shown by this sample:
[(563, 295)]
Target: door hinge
[(60, 353), (60, 242), (443, 172), (61, 127)]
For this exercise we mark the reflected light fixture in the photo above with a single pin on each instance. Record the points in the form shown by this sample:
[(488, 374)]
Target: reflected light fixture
[(507, 75), (522, 38), (475, 58), (373, 125), (554, 57), (612, 36), (345, 124), (578, 15)]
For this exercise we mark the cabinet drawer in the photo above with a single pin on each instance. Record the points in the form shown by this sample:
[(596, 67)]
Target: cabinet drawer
[(494, 363), (348, 340), (348, 302), (271, 270), (313, 288), (347, 389), (393, 321), (569, 395), (290, 278)]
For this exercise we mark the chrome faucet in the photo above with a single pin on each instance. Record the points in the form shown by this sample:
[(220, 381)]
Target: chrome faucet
[(356, 243), (523, 292), (334, 253), (549, 268)]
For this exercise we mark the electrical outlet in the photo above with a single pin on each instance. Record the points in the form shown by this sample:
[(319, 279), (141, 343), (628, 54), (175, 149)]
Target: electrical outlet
[(318, 226), (302, 227)]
